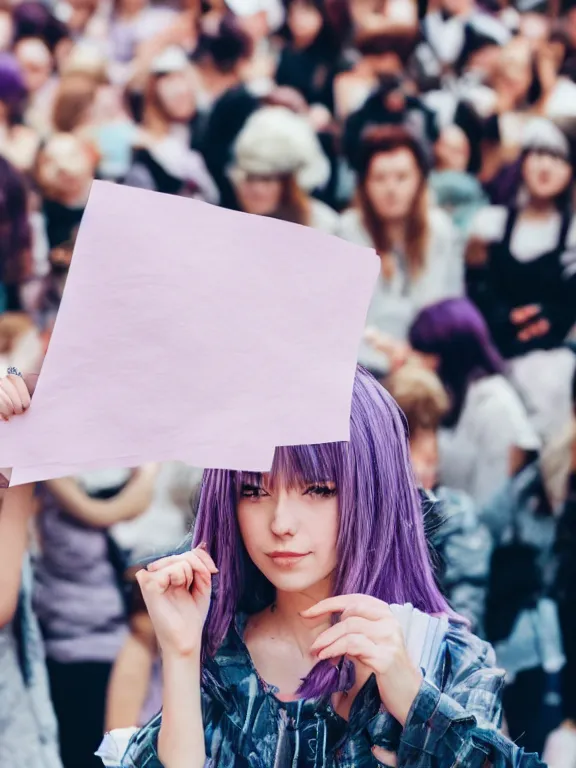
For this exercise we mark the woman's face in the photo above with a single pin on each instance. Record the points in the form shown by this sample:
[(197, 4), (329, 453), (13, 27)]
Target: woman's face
[(36, 62), (176, 95), (545, 175), (392, 183), (515, 70), (453, 149), (259, 194), (304, 22), (290, 535)]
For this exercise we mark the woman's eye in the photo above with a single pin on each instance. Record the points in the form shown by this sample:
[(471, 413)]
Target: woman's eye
[(321, 490), (252, 492)]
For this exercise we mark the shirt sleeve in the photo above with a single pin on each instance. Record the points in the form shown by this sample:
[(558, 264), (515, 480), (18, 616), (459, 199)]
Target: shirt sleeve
[(500, 423), (142, 751), (459, 724)]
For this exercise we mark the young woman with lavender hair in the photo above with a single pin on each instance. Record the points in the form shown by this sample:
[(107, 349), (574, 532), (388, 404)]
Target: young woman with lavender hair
[(256, 671)]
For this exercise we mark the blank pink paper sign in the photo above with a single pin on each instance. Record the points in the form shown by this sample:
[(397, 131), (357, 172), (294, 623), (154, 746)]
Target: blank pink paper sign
[(189, 332)]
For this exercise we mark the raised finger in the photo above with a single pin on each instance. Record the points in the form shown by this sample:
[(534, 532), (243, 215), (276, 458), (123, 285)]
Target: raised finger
[(352, 625), (206, 559), (177, 575), (192, 556), (180, 575), (162, 562), (359, 605), (355, 645)]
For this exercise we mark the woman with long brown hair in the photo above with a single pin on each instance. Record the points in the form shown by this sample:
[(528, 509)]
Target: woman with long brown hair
[(416, 242)]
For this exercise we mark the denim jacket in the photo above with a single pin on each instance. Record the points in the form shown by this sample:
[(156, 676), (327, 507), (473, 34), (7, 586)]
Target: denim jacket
[(464, 547), (453, 722)]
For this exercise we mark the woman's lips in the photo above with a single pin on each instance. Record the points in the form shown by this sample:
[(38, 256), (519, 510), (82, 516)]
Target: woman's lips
[(287, 558)]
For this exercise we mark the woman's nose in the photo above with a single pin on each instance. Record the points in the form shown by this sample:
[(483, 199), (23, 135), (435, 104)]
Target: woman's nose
[(284, 520)]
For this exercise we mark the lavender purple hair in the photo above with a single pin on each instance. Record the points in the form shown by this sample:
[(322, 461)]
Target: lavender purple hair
[(456, 332), (13, 90), (382, 549)]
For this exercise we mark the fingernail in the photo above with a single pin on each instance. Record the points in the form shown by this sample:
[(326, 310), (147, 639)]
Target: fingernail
[(13, 371), (202, 545)]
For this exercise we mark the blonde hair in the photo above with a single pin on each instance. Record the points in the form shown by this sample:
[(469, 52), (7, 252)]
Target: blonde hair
[(420, 395)]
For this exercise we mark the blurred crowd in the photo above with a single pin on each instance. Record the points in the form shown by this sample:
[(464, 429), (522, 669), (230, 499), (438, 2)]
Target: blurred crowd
[(441, 134)]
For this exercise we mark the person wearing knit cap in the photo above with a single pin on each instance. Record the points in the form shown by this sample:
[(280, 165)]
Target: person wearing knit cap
[(278, 162)]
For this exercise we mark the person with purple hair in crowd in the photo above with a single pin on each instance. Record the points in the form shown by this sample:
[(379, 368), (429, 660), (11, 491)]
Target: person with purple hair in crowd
[(487, 432), (256, 672)]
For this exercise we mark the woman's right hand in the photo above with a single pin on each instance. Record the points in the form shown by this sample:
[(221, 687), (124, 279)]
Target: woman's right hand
[(177, 591), (14, 396)]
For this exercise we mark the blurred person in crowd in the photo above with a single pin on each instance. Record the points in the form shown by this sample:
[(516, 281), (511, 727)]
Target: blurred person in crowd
[(487, 434), (521, 258), (29, 734), (78, 596), (227, 118), (65, 170), (38, 68), (133, 23), (259, 19), (388, 98), (80, 16), (383, 16), (36, 19), (165, 158), (463, 545), (456, 191), (526, 84), (15, 236), (18, 143), (219, 59), (277, 162), (312, 56), (451, 28), (416, 243), (135, 690), (560, 749), (521, 272), (522, 618), (74, 103)]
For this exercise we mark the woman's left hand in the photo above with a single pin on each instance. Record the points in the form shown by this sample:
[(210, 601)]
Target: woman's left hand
[(369, 632)]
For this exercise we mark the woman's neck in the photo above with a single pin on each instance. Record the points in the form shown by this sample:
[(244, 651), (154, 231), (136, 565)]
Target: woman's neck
[(285, 614), (395, 231), (539, 208)]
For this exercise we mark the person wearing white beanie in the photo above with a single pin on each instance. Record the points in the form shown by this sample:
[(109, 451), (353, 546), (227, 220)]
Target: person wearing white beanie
[(278, 162)]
